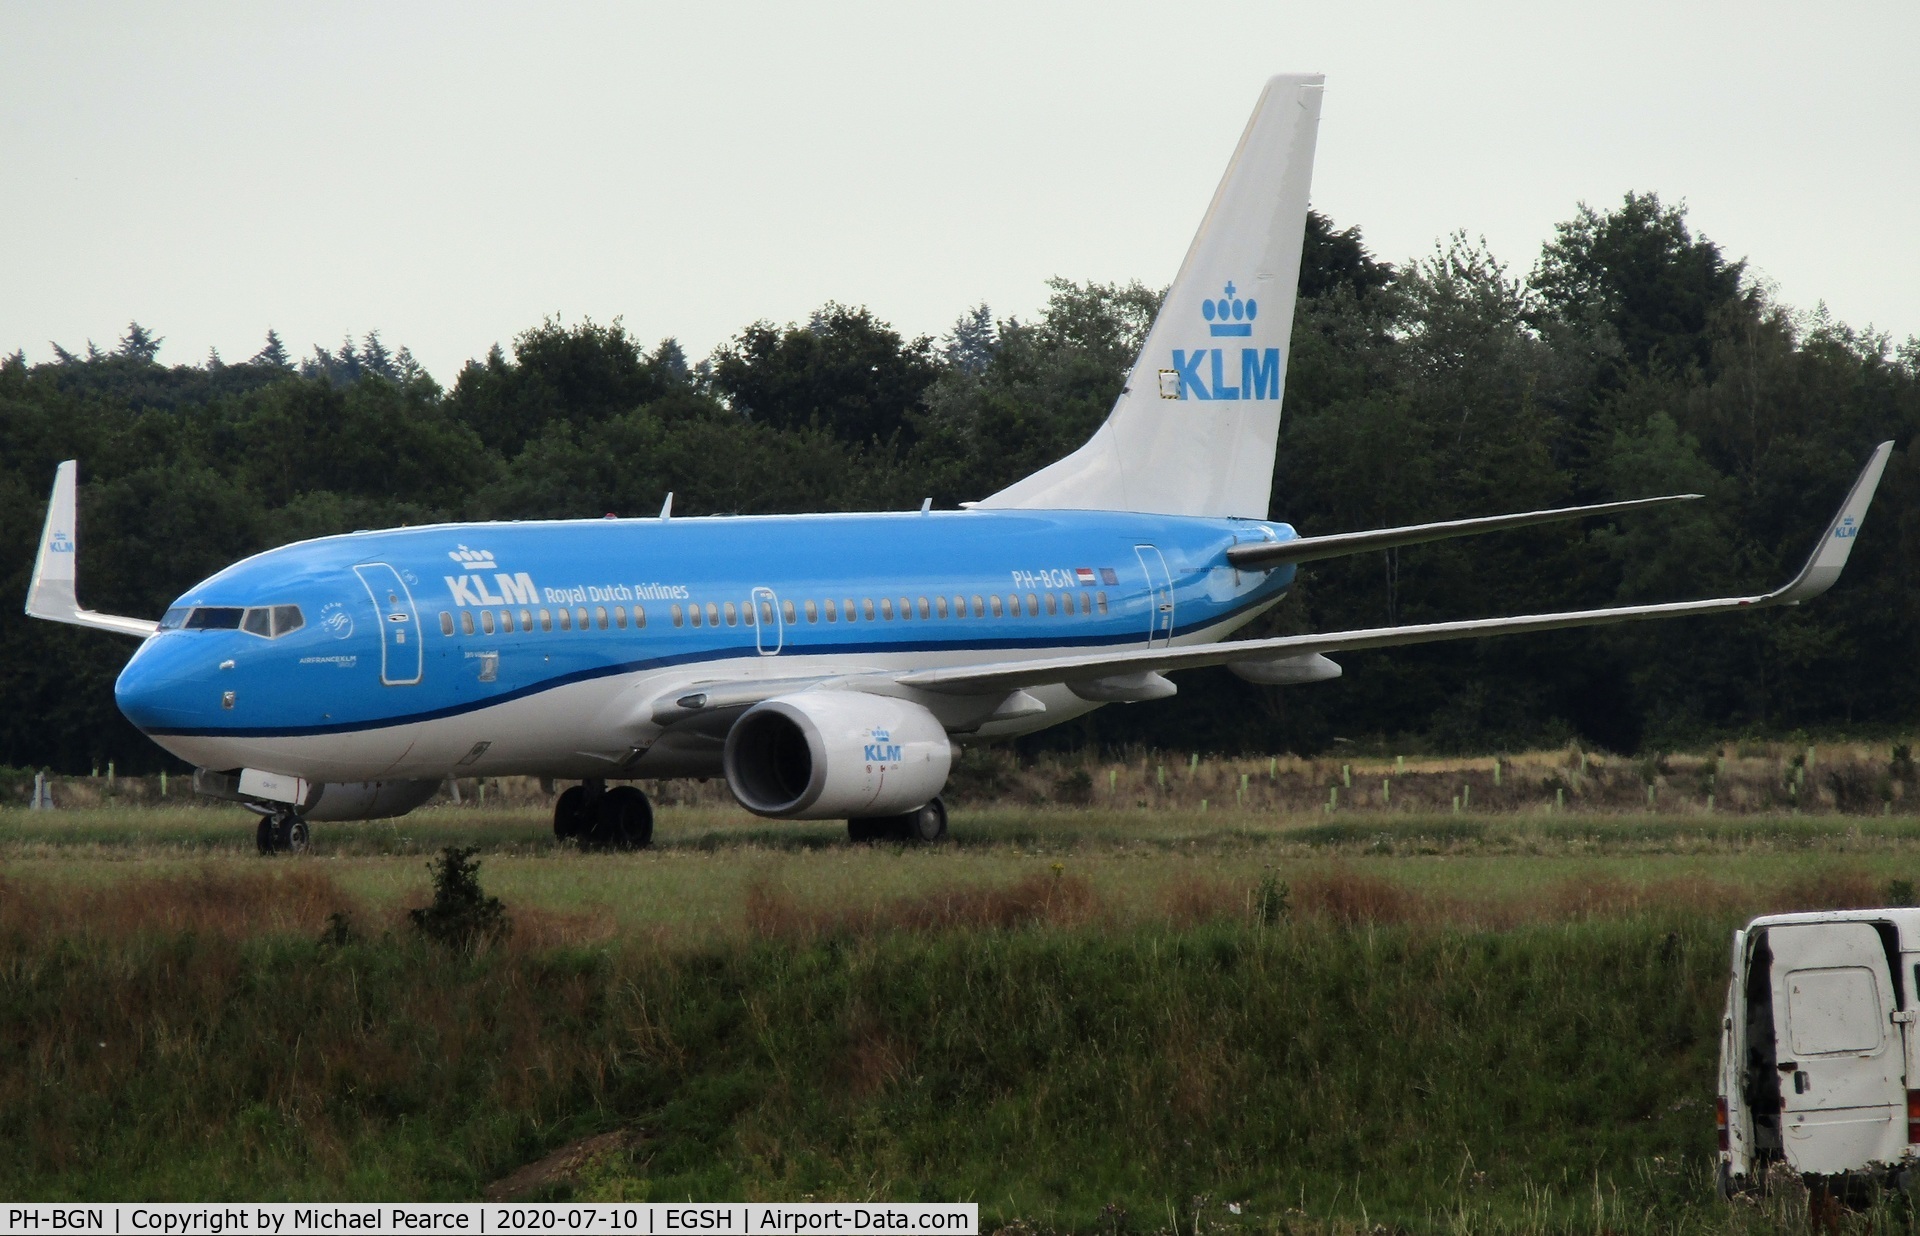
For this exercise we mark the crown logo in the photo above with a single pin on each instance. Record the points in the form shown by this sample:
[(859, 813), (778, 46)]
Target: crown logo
[(1230, 315), (474, 559)]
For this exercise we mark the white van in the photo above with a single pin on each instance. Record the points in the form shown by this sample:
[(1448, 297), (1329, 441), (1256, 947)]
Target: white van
[(1818, 1046)]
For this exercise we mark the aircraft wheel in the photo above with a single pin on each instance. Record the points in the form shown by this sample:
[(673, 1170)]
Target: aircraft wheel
[(927, 825), (293, 834), (263, 834), (624, 821), (570, 819)]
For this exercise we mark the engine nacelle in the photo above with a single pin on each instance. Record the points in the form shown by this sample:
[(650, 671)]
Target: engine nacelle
[(823, 755)]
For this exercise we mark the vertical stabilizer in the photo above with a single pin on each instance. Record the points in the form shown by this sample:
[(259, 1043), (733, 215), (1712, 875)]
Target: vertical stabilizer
[(50, 593), (1194, 430)]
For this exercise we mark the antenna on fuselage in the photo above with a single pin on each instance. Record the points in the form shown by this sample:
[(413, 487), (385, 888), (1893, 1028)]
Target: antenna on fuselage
[(666, 508)]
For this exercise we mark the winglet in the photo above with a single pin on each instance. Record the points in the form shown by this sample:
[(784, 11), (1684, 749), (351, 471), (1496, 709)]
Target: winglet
[(1829, 556), (51, 594)]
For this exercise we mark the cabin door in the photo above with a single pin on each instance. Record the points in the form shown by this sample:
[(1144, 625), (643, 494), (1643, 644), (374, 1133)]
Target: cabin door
[(769, 632), (1836, 1046), (1159, 595), (400, 640)]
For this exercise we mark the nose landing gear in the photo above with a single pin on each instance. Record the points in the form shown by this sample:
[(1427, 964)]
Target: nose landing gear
[(281, 833), (598, 818)]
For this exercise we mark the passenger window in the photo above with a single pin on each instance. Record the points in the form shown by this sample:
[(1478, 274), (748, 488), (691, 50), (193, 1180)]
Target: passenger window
[(486, 621), (846, 607), (979, 611), (713, 614), (546, 620), (996, 604), (526, 620), (1052, 605), (866, 608), (906, 607), (695, 611), (833, 611), (287, 619), (746, 612), (600, 616), (620, 616), (926, 610), (1013, 605), (786, 613), (466, 622), (506, 621), (766, 611), (733, 615), (258, 622), (446, 623), (1086, 604), (639, 617), (676, 613), (940, 606), (886, 608), (813, 612), (1033, 606), (580, 617), (566, 620), (1100, 601)]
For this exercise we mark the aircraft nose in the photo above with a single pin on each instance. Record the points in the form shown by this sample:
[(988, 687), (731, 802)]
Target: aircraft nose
[(160, 686)]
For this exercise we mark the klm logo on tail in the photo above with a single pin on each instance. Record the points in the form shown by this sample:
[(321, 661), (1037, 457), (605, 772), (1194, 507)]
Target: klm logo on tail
[(1209, 373)]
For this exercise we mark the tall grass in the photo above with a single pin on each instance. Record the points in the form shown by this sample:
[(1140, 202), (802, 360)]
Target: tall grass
[(1379, 1054)]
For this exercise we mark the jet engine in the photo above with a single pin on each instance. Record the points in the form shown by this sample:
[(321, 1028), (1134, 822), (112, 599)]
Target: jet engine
[(823, 755)]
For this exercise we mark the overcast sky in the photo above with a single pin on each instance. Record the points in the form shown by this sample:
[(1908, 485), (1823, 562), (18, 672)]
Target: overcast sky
[(450, 174)]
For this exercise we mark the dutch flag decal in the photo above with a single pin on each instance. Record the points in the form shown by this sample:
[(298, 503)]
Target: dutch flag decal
[(1084, 575)]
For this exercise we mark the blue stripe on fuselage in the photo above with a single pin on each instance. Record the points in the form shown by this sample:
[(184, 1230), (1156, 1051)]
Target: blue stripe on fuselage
[(326, 677)]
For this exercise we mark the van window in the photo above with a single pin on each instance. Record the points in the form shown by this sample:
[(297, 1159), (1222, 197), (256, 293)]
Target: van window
[(1836, 1010)]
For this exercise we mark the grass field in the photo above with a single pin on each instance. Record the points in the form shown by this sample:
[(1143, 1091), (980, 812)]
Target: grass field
[(1101, 1019)]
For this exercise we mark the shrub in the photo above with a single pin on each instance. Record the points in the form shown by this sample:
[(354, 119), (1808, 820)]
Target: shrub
[(462, 915)]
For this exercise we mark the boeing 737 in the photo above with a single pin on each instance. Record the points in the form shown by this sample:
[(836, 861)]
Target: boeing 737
[(825, 665)]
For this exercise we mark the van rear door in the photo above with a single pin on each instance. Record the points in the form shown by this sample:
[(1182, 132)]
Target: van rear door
[(1842, 1073)]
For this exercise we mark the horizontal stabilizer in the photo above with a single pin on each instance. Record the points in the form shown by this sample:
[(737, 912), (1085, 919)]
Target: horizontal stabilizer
[(1821, 570), (51, 594), (1265, 555)]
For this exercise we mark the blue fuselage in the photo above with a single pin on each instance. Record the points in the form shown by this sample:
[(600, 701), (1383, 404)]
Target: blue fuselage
[(398, 652)]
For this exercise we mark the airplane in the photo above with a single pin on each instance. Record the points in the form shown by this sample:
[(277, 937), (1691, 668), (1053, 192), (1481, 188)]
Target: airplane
[(825, 665)]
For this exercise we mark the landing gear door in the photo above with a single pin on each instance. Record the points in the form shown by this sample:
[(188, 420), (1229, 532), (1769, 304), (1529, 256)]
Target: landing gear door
[(1159, 595), (400, 639), (1837, 1048)]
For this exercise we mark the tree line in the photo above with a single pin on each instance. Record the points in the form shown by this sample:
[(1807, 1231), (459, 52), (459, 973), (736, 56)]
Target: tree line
[(1632, 358)]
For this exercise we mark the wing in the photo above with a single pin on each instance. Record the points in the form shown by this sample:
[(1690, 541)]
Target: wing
[(51, 594), (1262, 555), (1823, 567)]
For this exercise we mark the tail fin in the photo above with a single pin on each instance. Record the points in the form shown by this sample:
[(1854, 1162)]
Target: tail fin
[(1194, 430)]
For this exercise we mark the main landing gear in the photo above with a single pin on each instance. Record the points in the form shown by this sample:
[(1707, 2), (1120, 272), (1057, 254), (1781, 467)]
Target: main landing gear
[(281, 833), (922, 826), (597, 818)]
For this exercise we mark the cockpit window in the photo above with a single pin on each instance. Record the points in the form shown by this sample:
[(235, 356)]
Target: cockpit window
[(266, 621), (214, 618)]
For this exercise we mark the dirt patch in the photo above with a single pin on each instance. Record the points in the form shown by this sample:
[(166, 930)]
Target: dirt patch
[(564, 1166)]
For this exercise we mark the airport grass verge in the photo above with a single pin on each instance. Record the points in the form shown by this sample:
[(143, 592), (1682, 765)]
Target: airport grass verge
[(1343, 1049)]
